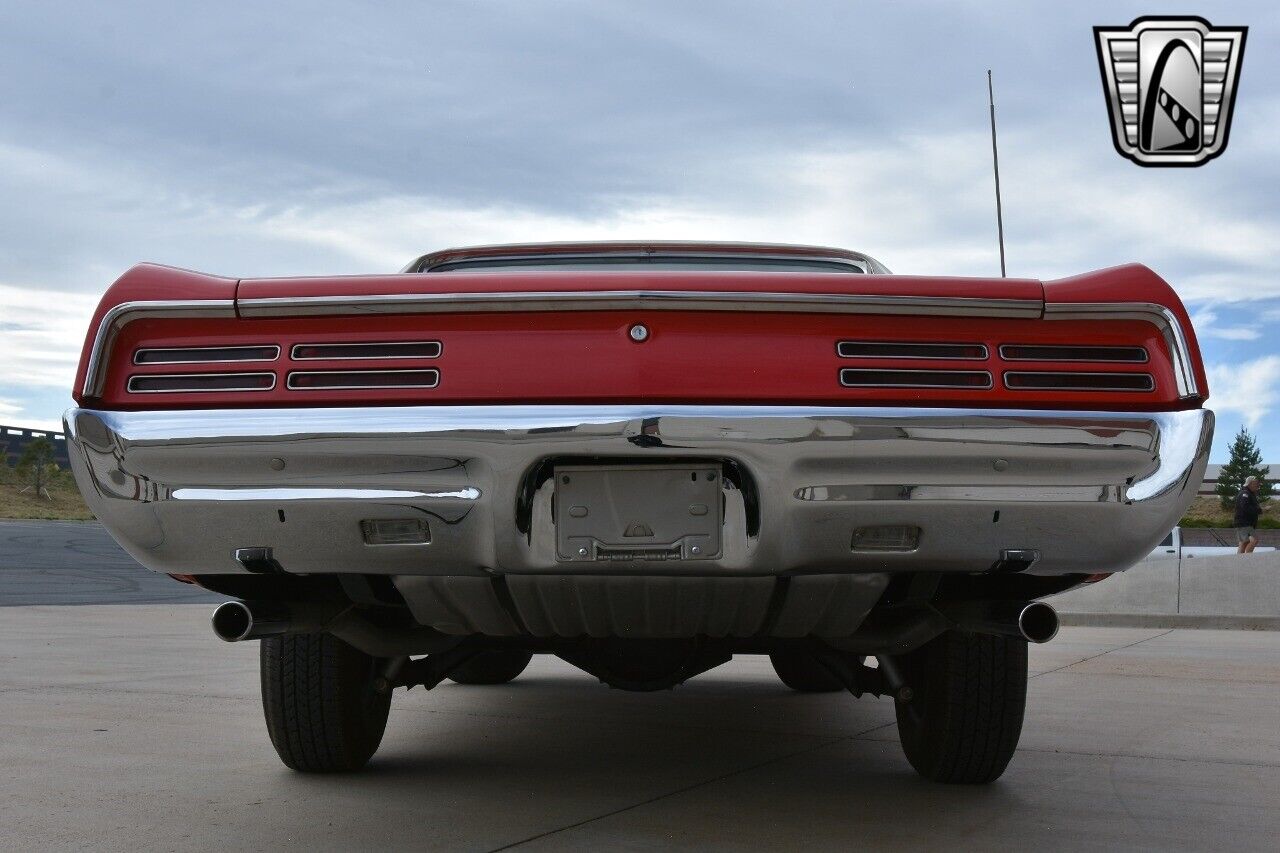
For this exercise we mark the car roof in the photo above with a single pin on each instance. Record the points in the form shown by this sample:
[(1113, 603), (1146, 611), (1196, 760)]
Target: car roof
[(647, 247)]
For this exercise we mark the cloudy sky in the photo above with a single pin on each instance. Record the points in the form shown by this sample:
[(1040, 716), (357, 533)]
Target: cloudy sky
[(282, 139)]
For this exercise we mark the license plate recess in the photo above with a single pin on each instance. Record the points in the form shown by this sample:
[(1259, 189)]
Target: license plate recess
[(626, 513)]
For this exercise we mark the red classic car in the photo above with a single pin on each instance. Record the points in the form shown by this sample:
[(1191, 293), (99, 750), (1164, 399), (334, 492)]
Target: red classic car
[(644, 458)]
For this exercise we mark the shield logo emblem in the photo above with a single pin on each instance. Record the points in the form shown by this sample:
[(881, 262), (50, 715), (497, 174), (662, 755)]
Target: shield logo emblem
[(1171, 86)]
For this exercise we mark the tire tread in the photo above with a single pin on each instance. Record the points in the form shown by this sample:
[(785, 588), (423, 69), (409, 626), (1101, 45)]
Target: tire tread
[(978, 684), (310, 687)]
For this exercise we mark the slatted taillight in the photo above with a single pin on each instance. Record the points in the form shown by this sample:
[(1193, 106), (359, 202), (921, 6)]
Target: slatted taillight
[(180, 383), (868, 378), (909, 349), (200, 355), (1071, 352), (352, 380), (364, 351), (1072, 381)]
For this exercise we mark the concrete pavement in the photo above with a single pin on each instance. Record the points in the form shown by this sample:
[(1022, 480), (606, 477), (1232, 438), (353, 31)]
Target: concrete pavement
[(77, 562), (131, 726)]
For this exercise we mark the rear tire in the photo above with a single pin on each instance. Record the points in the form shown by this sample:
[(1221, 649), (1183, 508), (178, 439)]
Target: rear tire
[(496, 667), (801, 671), (323, 712), (965, 716)]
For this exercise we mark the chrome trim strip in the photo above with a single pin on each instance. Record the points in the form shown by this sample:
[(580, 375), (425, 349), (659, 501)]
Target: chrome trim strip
[(638, 300), (1089, 493), (431, 371), (129, 386), (273, 347), (1141, 349), (920, 344), (1158, 315), (688, 248), (855, 370), (126, 312), (381, 420), (315, 494), (293, 351), (655, 256), (1151, 382)]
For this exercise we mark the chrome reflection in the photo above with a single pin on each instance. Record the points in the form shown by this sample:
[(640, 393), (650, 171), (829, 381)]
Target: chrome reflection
[(1086, 489), (926, 492), (194, 494)]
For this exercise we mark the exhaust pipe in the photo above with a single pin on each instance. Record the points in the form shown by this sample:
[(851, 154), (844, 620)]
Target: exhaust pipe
[(1038, 622), (1035, 621), (234, 621)]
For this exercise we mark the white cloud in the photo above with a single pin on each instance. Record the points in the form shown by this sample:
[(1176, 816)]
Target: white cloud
[(41, 332), (1205, 323), (14, 413), (1250, 388)]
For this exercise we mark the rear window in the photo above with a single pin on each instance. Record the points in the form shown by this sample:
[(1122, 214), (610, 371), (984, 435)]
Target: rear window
[(633, 263)]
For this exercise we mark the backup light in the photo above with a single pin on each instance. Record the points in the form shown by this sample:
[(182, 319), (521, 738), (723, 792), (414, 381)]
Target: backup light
[(903, 537), (395, 531)]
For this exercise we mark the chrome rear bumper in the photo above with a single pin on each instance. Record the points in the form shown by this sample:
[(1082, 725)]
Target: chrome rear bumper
[(1090, 491)]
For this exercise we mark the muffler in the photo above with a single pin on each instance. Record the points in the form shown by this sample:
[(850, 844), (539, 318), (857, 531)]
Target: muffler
[(1033, 621), (234, 621)]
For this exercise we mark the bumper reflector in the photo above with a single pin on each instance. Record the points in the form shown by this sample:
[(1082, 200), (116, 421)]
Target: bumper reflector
[(395, 531)]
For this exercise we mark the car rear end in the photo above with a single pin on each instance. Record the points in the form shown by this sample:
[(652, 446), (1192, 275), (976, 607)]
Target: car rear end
[(730, 446)]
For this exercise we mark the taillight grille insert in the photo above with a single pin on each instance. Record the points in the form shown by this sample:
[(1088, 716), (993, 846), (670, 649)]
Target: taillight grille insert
[(1054, 380), (911, 350), (366, 351), (203, 355), (187, 383), (354, 380), (1073, 352), (851, 377)]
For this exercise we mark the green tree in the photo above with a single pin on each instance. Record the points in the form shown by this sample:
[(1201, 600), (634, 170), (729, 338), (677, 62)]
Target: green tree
[(1245, 461), (36, 467)]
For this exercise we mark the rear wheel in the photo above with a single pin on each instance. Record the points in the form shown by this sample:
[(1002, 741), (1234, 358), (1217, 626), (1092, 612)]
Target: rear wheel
[(323, 712), (964, 718), (801, 671), (495, 667)]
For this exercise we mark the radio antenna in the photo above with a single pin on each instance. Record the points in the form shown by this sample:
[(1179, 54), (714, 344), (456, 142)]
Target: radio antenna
[(995, 164)]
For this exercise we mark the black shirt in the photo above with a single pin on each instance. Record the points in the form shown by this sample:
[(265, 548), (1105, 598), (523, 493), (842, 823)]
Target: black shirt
[(1247, 509)]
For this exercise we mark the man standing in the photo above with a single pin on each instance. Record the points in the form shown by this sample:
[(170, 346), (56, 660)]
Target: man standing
[(1247, 511)]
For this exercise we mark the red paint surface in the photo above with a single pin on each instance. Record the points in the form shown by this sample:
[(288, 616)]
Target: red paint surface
[(587, 357), (146, 283), (690, 357), (529, 281), (1129, 283)]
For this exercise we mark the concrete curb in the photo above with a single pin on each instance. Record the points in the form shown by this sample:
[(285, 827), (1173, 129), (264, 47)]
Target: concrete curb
[(1170, 620)]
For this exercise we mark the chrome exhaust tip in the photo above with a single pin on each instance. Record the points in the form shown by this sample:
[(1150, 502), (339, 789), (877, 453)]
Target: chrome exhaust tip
[(234, 621), (1033, 621), (1038, 622)]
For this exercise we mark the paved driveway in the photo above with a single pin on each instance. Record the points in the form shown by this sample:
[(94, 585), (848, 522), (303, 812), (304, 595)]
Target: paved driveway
[(131, 727), (77, 562)]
